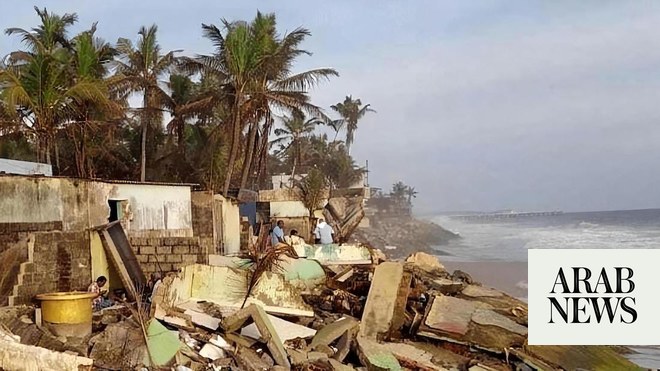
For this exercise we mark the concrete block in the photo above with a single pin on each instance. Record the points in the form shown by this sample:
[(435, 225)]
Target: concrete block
[(164, 250), (181, 249), (146, 250), (173, 258), (386, 303)]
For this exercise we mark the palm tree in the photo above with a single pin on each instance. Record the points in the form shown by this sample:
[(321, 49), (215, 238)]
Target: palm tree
[(142, 67), (411, 193), (38, 90), (252, 67), (398, 190), (290, 136), (351, 111), (91, 57)]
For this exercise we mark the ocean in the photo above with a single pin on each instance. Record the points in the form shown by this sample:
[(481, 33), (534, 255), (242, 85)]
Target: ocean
[(497, 249), (509, 239)]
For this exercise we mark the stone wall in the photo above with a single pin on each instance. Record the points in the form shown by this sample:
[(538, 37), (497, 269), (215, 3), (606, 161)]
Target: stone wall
[(57, 261), (166, 254)]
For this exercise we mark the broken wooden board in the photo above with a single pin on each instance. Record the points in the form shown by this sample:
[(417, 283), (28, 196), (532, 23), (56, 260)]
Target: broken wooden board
[(123, 258), (384, 311), (266, 329), (472, 323)]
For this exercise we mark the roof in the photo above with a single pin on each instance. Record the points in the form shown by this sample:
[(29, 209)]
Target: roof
[(24, 167), (113, 181)]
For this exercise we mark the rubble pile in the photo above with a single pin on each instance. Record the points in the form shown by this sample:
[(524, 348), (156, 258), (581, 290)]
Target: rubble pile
[(381, 315)]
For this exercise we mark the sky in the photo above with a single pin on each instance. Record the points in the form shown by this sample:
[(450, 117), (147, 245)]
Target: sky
[(481, 105)]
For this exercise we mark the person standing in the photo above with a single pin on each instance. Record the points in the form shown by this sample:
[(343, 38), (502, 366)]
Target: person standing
[(324, 232), (278, 234)]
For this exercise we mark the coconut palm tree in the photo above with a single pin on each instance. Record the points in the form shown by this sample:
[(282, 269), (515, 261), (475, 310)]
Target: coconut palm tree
[(351, 111), (142, 68), (290, 135), (252, 66), (398, 190), (38, 89)]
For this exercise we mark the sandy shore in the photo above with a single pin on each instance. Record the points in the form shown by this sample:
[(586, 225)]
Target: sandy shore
[(510, 277)]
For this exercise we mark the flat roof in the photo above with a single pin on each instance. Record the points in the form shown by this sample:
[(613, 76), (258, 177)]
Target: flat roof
[(113, 181)]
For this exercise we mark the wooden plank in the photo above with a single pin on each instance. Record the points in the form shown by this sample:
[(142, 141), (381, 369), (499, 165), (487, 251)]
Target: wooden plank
[(111, 249)]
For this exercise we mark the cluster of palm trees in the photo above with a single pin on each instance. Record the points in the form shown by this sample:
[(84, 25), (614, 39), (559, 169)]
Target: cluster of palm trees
[(402, 191), (70, 101)]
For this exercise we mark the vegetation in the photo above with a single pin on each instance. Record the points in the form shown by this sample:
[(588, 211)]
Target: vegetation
[(208, 119), (403, 192)]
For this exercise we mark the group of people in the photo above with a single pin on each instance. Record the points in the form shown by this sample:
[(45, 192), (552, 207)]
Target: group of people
[(323, 234), (104, 299)]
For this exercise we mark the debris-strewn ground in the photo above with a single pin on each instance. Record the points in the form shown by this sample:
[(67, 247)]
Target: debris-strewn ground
[(383, 315)]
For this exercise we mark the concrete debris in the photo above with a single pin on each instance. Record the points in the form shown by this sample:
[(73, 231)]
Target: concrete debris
[(268, 333), (375, 356), (17, 356), (285, 330), (383, 312), (427, 262), (413, 315)]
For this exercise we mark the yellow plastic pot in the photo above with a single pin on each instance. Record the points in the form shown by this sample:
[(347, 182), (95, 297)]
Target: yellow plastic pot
[(67, 313)]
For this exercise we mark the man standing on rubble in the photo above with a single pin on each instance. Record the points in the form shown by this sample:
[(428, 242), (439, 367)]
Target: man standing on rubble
[(324, 232), (278, 234)]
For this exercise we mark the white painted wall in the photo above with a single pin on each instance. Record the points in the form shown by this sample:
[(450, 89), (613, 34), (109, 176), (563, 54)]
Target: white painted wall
[(155, 206), (289, 209)]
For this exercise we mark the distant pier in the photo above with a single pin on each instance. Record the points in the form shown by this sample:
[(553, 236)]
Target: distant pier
[(507, 215)]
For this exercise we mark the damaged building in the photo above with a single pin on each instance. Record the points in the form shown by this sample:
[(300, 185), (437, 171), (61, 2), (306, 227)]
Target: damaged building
[(50, 240)]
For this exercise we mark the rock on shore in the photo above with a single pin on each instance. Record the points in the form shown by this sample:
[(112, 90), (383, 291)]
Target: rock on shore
[(406, 233)]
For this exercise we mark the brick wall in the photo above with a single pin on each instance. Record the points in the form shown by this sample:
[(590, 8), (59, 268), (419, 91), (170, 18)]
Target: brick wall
[(61, 261), (14, 251), (203, 220), (166, 254)]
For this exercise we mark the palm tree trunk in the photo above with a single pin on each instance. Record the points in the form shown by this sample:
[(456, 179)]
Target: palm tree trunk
[(143, 145), (249, 154), (233, 153)]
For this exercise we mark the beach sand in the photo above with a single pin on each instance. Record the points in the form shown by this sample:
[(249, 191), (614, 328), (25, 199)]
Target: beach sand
[(509, 277)]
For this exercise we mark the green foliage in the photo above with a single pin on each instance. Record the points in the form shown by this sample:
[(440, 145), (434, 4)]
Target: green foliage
[(312, 188), (351, 111), (62, 103)]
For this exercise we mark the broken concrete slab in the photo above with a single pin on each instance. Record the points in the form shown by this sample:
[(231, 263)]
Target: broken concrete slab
[(197, 283), (303, 273), (475, 291), (211, 352), (450, 314), (413, 358), (120, 344), (472, 323), (375, 356), (17, 356), (203, 319), (426, 262), (162, 344), (266, 329), (248, 359), (334, 254), (446, 286), (285, 330), (384, 310), (342, 331)]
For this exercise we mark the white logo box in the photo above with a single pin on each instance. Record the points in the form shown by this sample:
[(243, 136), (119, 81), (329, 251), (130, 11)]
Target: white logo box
[(543, 268)]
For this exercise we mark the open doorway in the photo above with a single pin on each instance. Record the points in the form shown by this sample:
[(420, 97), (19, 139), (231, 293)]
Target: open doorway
[(115, 210)]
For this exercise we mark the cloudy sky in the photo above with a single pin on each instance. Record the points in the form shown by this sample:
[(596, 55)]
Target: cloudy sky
[(482, 105)]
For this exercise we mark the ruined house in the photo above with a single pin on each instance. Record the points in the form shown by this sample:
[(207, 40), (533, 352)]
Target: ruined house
[(49, 240)]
